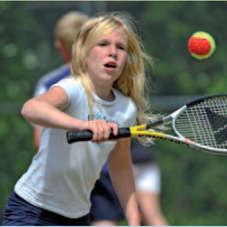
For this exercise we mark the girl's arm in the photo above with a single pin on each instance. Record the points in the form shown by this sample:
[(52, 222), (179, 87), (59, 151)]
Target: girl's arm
[(120, 169), (47, 110)]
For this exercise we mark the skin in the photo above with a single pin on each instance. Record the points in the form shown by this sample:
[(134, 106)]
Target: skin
[(47, 110), (111, 48), (149, 204)]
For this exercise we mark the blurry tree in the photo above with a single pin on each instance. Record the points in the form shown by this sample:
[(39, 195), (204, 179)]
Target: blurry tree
[(25, 54), (166, 30)]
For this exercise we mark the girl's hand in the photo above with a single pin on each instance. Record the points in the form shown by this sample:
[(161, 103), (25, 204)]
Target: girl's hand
[(101, 129)]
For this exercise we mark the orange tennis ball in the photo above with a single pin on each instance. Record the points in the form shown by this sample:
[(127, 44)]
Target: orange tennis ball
[(201, 45)]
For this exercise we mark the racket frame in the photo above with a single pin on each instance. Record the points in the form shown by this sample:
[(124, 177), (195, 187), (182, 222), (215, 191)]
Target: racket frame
[(147, 130)]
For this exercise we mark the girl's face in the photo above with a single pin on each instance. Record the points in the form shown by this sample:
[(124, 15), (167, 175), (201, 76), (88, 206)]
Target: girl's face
[(106, 60)]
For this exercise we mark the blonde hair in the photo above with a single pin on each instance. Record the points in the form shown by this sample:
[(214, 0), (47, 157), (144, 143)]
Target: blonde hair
[(132, 79), (68, 26)]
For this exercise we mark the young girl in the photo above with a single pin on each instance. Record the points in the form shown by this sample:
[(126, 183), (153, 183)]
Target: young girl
[(105, 92)]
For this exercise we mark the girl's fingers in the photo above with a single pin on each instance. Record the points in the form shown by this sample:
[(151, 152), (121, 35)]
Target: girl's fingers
[(114, 128), (102, 130)]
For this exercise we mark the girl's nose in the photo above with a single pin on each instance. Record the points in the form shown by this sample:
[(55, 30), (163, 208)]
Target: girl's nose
[(113, 51)]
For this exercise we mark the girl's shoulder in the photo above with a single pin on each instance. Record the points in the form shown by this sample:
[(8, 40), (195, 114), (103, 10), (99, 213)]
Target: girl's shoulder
[(72, 87), (70, 83)]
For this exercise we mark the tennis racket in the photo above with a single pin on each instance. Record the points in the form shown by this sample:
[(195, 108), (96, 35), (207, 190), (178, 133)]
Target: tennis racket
[(201, 124)]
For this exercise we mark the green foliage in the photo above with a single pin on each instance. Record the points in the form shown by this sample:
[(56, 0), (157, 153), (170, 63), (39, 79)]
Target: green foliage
[(16, 152), (193, 182), (24, 56), (166, 31), (193, 185), (25, 51)]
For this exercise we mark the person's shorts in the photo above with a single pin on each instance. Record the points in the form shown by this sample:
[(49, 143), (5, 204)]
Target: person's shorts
[(19, 212), (105, 204), (104, 201), (147, 177)]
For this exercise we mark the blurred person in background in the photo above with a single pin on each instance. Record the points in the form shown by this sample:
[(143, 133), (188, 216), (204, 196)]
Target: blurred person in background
[(66, 29), (106, 209)]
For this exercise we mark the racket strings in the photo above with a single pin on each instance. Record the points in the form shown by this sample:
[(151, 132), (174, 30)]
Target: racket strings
[(205, 123)]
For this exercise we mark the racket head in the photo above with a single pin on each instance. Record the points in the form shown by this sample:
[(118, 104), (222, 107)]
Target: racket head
[(204, 122)]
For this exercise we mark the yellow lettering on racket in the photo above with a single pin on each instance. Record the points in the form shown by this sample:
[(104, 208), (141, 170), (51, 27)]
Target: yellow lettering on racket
[(139, 130)]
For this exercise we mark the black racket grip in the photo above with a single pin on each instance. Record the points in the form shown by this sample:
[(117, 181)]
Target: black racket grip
[(86, 135)]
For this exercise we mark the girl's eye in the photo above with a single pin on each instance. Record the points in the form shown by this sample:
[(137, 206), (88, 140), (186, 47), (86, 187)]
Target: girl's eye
[(102, 44), (121, 48)]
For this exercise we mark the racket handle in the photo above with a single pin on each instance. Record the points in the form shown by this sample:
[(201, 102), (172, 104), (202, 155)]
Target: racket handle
[(86, 135)]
